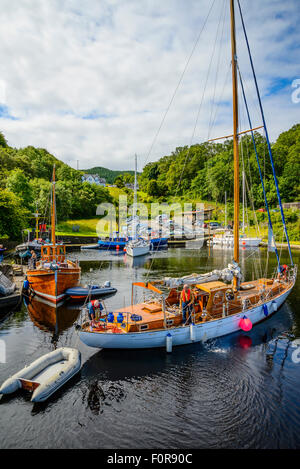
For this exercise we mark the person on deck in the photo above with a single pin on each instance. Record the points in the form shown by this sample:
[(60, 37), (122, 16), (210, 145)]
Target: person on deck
[(282, 272), (92, 306), (186, 303), (26, 285), (33, 259)]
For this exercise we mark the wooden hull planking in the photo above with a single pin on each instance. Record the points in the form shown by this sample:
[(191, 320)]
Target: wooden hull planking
[(182, 335), (50, 284)]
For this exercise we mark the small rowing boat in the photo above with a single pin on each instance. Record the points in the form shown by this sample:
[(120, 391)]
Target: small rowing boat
[(91, 292), (45, 375)]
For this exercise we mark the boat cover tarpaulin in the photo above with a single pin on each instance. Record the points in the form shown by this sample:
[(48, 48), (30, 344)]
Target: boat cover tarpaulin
[(225, 275), (6, 286)]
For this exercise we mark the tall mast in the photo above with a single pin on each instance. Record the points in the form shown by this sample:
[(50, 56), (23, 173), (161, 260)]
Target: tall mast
[(244, 198), (235, 140), (225, 209), (135, 178), (36, 214), (53, 209)]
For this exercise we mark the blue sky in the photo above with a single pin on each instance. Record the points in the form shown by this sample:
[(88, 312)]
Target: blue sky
[(91, 81)]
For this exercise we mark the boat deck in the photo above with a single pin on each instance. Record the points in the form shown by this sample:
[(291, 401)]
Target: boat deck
[(153, 317)]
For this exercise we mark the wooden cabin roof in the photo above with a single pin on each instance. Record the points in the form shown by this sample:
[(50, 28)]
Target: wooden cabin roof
[(209, 286), (149, 311)]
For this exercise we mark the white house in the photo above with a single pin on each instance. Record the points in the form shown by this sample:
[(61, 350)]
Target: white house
[(94, 179)]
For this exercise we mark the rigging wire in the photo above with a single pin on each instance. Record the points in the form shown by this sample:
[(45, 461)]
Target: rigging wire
[(200, 106), (217, 70), (199, 109), (257, 160), (179, 82), (267, 136), (221, 96), (242, 121)]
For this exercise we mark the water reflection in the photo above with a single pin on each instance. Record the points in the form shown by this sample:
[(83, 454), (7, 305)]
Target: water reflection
[(54, 319), (236, 391)]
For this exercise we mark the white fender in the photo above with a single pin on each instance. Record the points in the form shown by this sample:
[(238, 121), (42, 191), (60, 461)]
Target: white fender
[(192, 332), (169, 341)]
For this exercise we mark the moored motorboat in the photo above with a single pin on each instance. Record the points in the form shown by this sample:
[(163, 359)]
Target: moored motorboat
[(92, 292), (24, 250), (9, 295), (227, 239), (45, 375), (112, 244), (137, 247), (157, 243), (119, 244)]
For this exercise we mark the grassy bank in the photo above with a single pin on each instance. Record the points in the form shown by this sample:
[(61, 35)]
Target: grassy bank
[(84, 227)]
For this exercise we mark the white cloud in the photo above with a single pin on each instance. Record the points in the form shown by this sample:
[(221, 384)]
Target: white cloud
[(120, 61)]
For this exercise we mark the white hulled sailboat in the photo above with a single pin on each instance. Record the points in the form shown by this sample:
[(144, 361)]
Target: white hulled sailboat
[(223, 303), (137, 246)]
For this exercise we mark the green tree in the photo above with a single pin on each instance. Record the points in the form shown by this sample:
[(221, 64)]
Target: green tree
[(152, 188), (19, 184), (119, 182), (3, 142), (13, 215), (41, 190), (128, 178)]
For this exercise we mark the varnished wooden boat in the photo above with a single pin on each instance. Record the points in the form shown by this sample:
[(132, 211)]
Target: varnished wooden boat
[(220, 308), (50, 280), (214, 315), (53, 273)]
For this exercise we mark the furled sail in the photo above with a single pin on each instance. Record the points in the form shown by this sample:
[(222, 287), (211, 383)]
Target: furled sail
[(226, 275)]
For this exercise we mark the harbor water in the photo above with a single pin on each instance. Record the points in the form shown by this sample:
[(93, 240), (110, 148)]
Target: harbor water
[(238, 391)]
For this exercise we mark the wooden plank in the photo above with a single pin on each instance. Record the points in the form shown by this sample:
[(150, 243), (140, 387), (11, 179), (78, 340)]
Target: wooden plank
[(29, 385)]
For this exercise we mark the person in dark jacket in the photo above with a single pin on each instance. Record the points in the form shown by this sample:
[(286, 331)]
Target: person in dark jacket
[(92, 307)]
